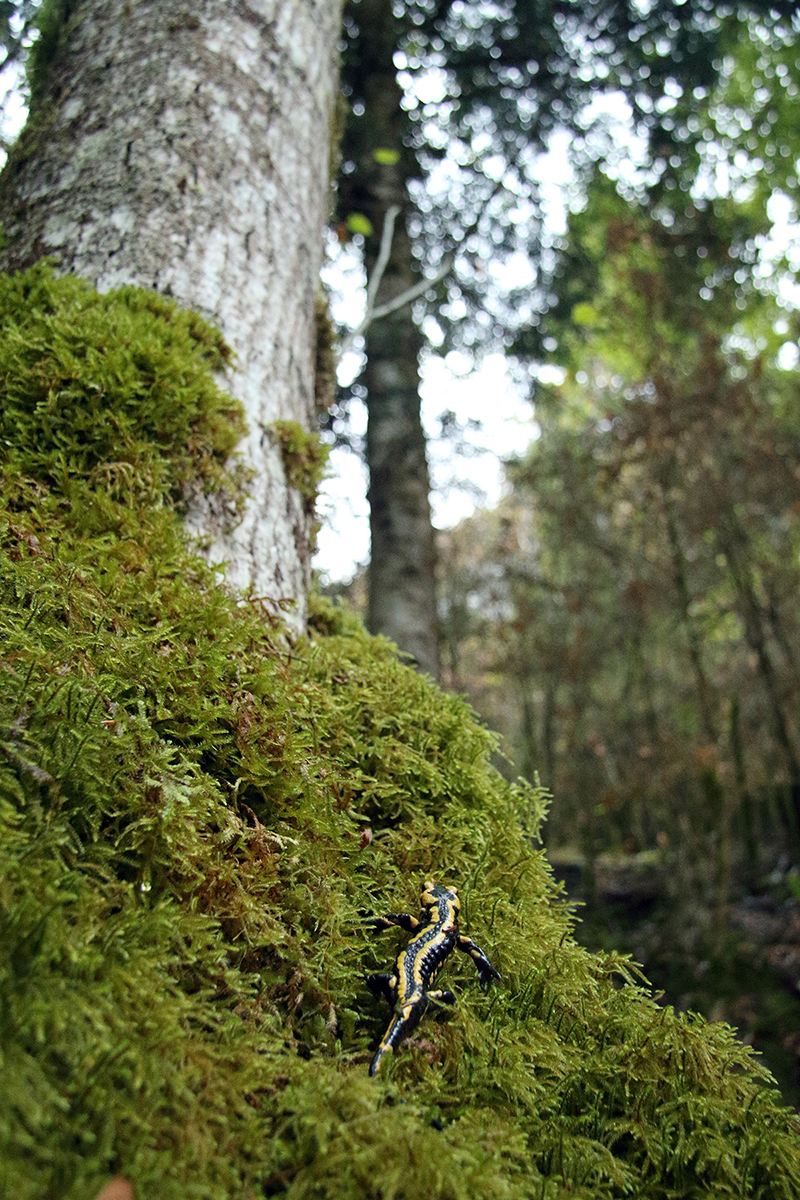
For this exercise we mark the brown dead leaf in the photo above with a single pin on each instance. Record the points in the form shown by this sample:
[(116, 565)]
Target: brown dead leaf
[(116, 1189)]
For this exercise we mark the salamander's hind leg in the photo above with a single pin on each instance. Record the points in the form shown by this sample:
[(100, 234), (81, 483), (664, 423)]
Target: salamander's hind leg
[(440, 997), (383, 985), (437, 1000), (486, 972)]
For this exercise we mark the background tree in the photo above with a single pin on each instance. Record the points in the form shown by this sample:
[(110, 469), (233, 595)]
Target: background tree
[(188, 152), (451, 108), (402, 597)]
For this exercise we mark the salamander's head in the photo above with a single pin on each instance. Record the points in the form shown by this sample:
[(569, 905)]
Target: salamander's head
[(432, 895)]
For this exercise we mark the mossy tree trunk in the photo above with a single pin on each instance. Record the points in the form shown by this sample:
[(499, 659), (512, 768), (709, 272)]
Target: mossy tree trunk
[(185, 148)]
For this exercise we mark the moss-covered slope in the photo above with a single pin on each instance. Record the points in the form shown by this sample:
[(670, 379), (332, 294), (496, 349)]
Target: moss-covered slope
[(187, 800)]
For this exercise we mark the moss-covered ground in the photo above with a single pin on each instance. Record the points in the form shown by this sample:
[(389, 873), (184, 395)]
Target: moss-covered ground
[(199, 813)]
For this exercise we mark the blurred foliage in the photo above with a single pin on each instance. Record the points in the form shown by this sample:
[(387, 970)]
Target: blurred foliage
[(629, 616), (647, 565), (473, 93), (16, 19), (470, 97), (17, 23), (185, 793)]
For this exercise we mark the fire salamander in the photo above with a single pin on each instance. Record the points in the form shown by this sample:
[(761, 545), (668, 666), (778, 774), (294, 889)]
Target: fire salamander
[(435, 936)]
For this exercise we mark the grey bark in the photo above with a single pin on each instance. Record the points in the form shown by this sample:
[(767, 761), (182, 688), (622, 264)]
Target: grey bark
[(185, 147), (402, 598), (402, 586)]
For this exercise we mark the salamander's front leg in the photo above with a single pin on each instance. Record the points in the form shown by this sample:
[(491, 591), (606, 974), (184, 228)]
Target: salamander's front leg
[(410, 924), (486, 972)]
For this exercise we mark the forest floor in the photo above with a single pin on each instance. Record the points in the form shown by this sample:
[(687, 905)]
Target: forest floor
[(751, 980)]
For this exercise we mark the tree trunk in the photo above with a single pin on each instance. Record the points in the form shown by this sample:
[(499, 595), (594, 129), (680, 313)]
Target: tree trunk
[(693, 637), (402, 598), (185, 147), (756, 634), (402, 589)]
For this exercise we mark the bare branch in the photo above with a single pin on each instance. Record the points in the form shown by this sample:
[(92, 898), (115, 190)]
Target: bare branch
[(410, 294), (387, 234), (417, 290), (406, 297)]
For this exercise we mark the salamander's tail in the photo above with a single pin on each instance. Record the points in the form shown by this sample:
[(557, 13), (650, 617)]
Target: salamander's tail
[(374, 1066), (397, 1029), (402, 1024)]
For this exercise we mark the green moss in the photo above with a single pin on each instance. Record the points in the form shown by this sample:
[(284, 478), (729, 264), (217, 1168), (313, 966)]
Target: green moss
[(113, 397), (184, 794), (324, 354), (52, 23), (304, 458)]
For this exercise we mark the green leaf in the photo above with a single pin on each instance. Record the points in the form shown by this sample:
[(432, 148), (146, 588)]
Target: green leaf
[(358, 223), (585, 314), (385, 156)]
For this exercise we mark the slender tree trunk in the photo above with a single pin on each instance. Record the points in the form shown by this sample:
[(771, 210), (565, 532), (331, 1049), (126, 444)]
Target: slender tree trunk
[(549, 718), (755, 632), (185, 147), (692, 633), (402, 595), (527, 725), (748, 826), (402, 598)]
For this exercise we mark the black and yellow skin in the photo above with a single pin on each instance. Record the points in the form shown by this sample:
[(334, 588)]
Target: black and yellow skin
[(408, 989)]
